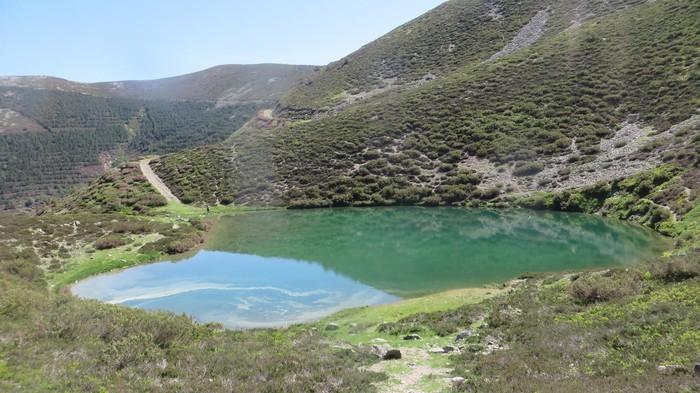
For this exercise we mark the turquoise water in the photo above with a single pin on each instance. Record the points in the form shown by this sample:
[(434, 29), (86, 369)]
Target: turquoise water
[(264, 269)]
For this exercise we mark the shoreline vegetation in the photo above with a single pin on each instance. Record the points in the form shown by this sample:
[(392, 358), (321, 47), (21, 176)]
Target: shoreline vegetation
[(480, 330)]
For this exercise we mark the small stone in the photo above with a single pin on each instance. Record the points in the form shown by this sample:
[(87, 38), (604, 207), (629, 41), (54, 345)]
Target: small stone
[(463, 335), (457, 382), (392, 354), (332, 327), (696, 370), (436, 350), (411, 337), (671, 369), (163, 364), (380, 350), (448, 349), (379, 340)]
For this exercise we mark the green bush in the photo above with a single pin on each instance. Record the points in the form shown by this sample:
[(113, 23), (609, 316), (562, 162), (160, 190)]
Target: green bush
[(110, 241), (522, 169), (677, 269), (594, 287)]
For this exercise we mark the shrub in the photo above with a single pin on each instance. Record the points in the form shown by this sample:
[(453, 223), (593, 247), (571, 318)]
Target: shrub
[(592, 288), (180, 246), (109, 242), (522, 169), (676, 269)]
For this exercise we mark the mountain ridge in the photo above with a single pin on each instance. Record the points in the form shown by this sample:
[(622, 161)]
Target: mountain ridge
[(203, 85)]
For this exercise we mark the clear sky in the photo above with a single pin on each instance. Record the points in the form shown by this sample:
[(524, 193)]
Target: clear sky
[(101, 40)]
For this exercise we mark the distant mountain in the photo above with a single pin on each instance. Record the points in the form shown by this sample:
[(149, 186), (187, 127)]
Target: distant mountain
[(55, 134), (225, 84), (472, 103)]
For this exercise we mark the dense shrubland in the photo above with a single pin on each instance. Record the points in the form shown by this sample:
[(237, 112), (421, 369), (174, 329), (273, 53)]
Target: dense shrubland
[(124, 190), (84, 134), (560, 97), (457, 33)]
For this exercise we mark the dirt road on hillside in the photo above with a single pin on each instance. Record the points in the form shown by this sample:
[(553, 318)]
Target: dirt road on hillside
[(156, 182)]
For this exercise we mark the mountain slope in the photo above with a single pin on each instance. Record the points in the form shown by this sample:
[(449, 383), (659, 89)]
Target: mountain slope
[(593, 102), (84, 135), (55, 134), (455, 34)]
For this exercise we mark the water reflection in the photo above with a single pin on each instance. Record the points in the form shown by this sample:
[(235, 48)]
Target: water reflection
[(413, 251), (240, 291)]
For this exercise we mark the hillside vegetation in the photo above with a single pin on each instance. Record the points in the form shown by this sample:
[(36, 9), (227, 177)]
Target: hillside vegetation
[(56, 134), (455, 34), (601, 100), (84, 135)]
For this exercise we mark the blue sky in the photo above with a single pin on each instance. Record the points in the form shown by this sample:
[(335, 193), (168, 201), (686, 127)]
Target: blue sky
[(88, 40)]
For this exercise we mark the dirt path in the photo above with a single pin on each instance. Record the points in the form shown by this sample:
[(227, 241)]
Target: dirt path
[(414, 373), (156, 182)]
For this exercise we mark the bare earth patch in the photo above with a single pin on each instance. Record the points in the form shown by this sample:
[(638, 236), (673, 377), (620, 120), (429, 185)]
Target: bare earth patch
[(412, 373)]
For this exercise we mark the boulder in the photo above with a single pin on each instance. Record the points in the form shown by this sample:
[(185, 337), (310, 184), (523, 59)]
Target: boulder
[(411, 337), (384, 352), (436, 350), (696, 370), (380, 350), (457, 382), (392, 354), (448, 349), (332, 327)]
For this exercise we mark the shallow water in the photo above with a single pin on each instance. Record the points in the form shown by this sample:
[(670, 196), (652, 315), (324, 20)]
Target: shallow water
[(275, 268)]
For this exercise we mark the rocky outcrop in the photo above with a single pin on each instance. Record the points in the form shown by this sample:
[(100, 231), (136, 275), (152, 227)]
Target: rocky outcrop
[(527, 36)]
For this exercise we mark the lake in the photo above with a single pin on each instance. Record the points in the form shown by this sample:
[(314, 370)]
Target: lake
[(275, 268)]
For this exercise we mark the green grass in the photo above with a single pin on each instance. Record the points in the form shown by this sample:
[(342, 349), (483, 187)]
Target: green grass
[(688, 231), (85, 265), (457, 33), (181, 210), (359, 325), (560, 336)]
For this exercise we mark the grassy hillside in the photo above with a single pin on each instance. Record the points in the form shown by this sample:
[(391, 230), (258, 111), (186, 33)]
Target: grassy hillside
[(600, 101)]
